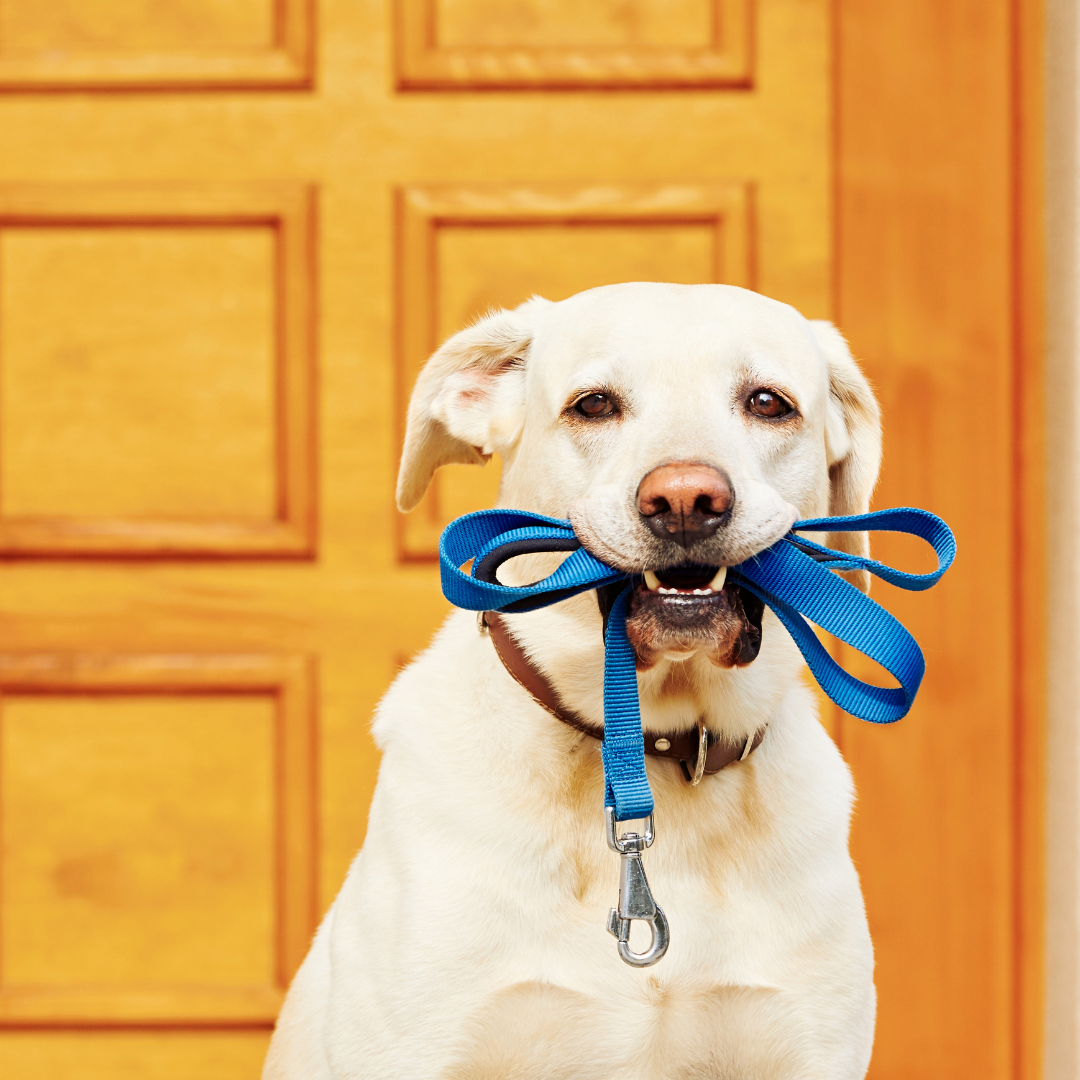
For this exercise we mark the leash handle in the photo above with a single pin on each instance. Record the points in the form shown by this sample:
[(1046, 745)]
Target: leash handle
[(490, 538), (795, 579), (902, 519)]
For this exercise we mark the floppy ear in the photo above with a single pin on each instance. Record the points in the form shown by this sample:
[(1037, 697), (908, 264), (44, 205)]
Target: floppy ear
[(852, 441), (469, 400)]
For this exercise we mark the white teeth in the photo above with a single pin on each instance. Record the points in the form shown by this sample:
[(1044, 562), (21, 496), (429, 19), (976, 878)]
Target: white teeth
[(652, 582)]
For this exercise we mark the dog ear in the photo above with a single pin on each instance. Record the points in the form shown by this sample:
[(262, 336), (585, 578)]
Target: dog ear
[(852, 441), (469, 400)]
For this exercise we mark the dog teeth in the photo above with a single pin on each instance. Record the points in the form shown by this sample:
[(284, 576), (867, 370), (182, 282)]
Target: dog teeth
[(652, 583)]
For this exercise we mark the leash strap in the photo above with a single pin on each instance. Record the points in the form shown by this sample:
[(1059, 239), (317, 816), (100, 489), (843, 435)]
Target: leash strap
[(794, 577)]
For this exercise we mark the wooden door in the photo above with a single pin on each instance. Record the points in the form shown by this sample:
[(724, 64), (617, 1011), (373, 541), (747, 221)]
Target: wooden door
[(229, 235)]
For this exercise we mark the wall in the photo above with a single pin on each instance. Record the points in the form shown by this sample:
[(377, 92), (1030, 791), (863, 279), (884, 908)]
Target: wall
[(1062, 1053)]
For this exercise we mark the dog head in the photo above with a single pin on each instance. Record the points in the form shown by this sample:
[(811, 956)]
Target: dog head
[(681, 428)]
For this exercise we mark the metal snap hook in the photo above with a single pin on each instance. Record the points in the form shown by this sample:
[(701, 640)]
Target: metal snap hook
[(635, 898)]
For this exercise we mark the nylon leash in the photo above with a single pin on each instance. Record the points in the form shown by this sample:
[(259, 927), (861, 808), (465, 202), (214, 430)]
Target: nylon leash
[(794, 577)]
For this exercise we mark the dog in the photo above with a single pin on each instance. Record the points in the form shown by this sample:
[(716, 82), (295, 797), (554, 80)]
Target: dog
[(682, 429)]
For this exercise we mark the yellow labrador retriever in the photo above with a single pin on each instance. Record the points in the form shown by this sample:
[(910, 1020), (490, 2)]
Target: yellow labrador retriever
[(682, 429)]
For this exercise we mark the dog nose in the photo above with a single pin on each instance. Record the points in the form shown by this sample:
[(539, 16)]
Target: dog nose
[(685, 502)]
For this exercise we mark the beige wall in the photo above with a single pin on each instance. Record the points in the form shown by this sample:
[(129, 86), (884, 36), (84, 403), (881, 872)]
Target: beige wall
[(1063, 421)]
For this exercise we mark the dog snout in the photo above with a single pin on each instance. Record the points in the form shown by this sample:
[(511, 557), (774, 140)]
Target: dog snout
[(685, 502)]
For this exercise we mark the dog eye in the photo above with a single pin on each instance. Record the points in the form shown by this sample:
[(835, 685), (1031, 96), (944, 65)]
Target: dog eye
[(595, 405), (767, 403)]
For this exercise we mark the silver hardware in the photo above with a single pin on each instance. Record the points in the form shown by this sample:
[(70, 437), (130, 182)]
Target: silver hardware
[(748, 747), (662, 744), (615, 842), (481, 623), (635, 899), (702, 751)]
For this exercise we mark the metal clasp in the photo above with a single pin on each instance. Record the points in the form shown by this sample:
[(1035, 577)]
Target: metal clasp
[(702, 753), (635, 899)]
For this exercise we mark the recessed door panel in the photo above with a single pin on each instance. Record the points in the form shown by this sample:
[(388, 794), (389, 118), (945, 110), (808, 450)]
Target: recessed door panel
[(127, 352)]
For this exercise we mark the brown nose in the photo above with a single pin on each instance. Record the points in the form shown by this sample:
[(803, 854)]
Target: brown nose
[(685, 502)]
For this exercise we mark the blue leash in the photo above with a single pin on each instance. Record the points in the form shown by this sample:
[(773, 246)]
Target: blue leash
[(794, 577)]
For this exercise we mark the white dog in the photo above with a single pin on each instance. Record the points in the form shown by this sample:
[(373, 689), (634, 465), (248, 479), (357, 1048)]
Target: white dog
[(682, 429)]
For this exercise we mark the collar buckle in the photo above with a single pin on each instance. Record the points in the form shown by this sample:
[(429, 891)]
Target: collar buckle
[(702, 753)]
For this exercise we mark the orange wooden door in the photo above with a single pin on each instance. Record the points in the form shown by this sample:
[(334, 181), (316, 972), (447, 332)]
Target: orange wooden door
[(229, 234), (938, 282)]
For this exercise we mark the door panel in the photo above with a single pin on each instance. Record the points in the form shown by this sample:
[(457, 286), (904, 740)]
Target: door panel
[(157, 829), (113, 44), (523, 44), (112, 289), (157, 1055), (128, 880), (481, 23), (106, 26), (122, 431)]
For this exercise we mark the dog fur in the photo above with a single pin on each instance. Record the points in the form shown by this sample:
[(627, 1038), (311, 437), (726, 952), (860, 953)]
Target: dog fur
[(469, 939)]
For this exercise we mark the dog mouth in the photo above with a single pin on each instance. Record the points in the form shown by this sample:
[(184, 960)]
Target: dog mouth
[(692, 608)]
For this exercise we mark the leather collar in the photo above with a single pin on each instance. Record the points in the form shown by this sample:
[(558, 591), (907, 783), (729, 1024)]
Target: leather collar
[(685, 747)]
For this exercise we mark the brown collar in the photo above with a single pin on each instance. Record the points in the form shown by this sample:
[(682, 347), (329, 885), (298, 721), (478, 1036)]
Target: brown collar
[(698, 752)]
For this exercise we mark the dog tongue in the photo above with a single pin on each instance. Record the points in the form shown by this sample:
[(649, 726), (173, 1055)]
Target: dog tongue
[(687, 576)]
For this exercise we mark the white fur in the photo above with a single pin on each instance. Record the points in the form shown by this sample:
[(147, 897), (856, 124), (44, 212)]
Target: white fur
[(469, 939)]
